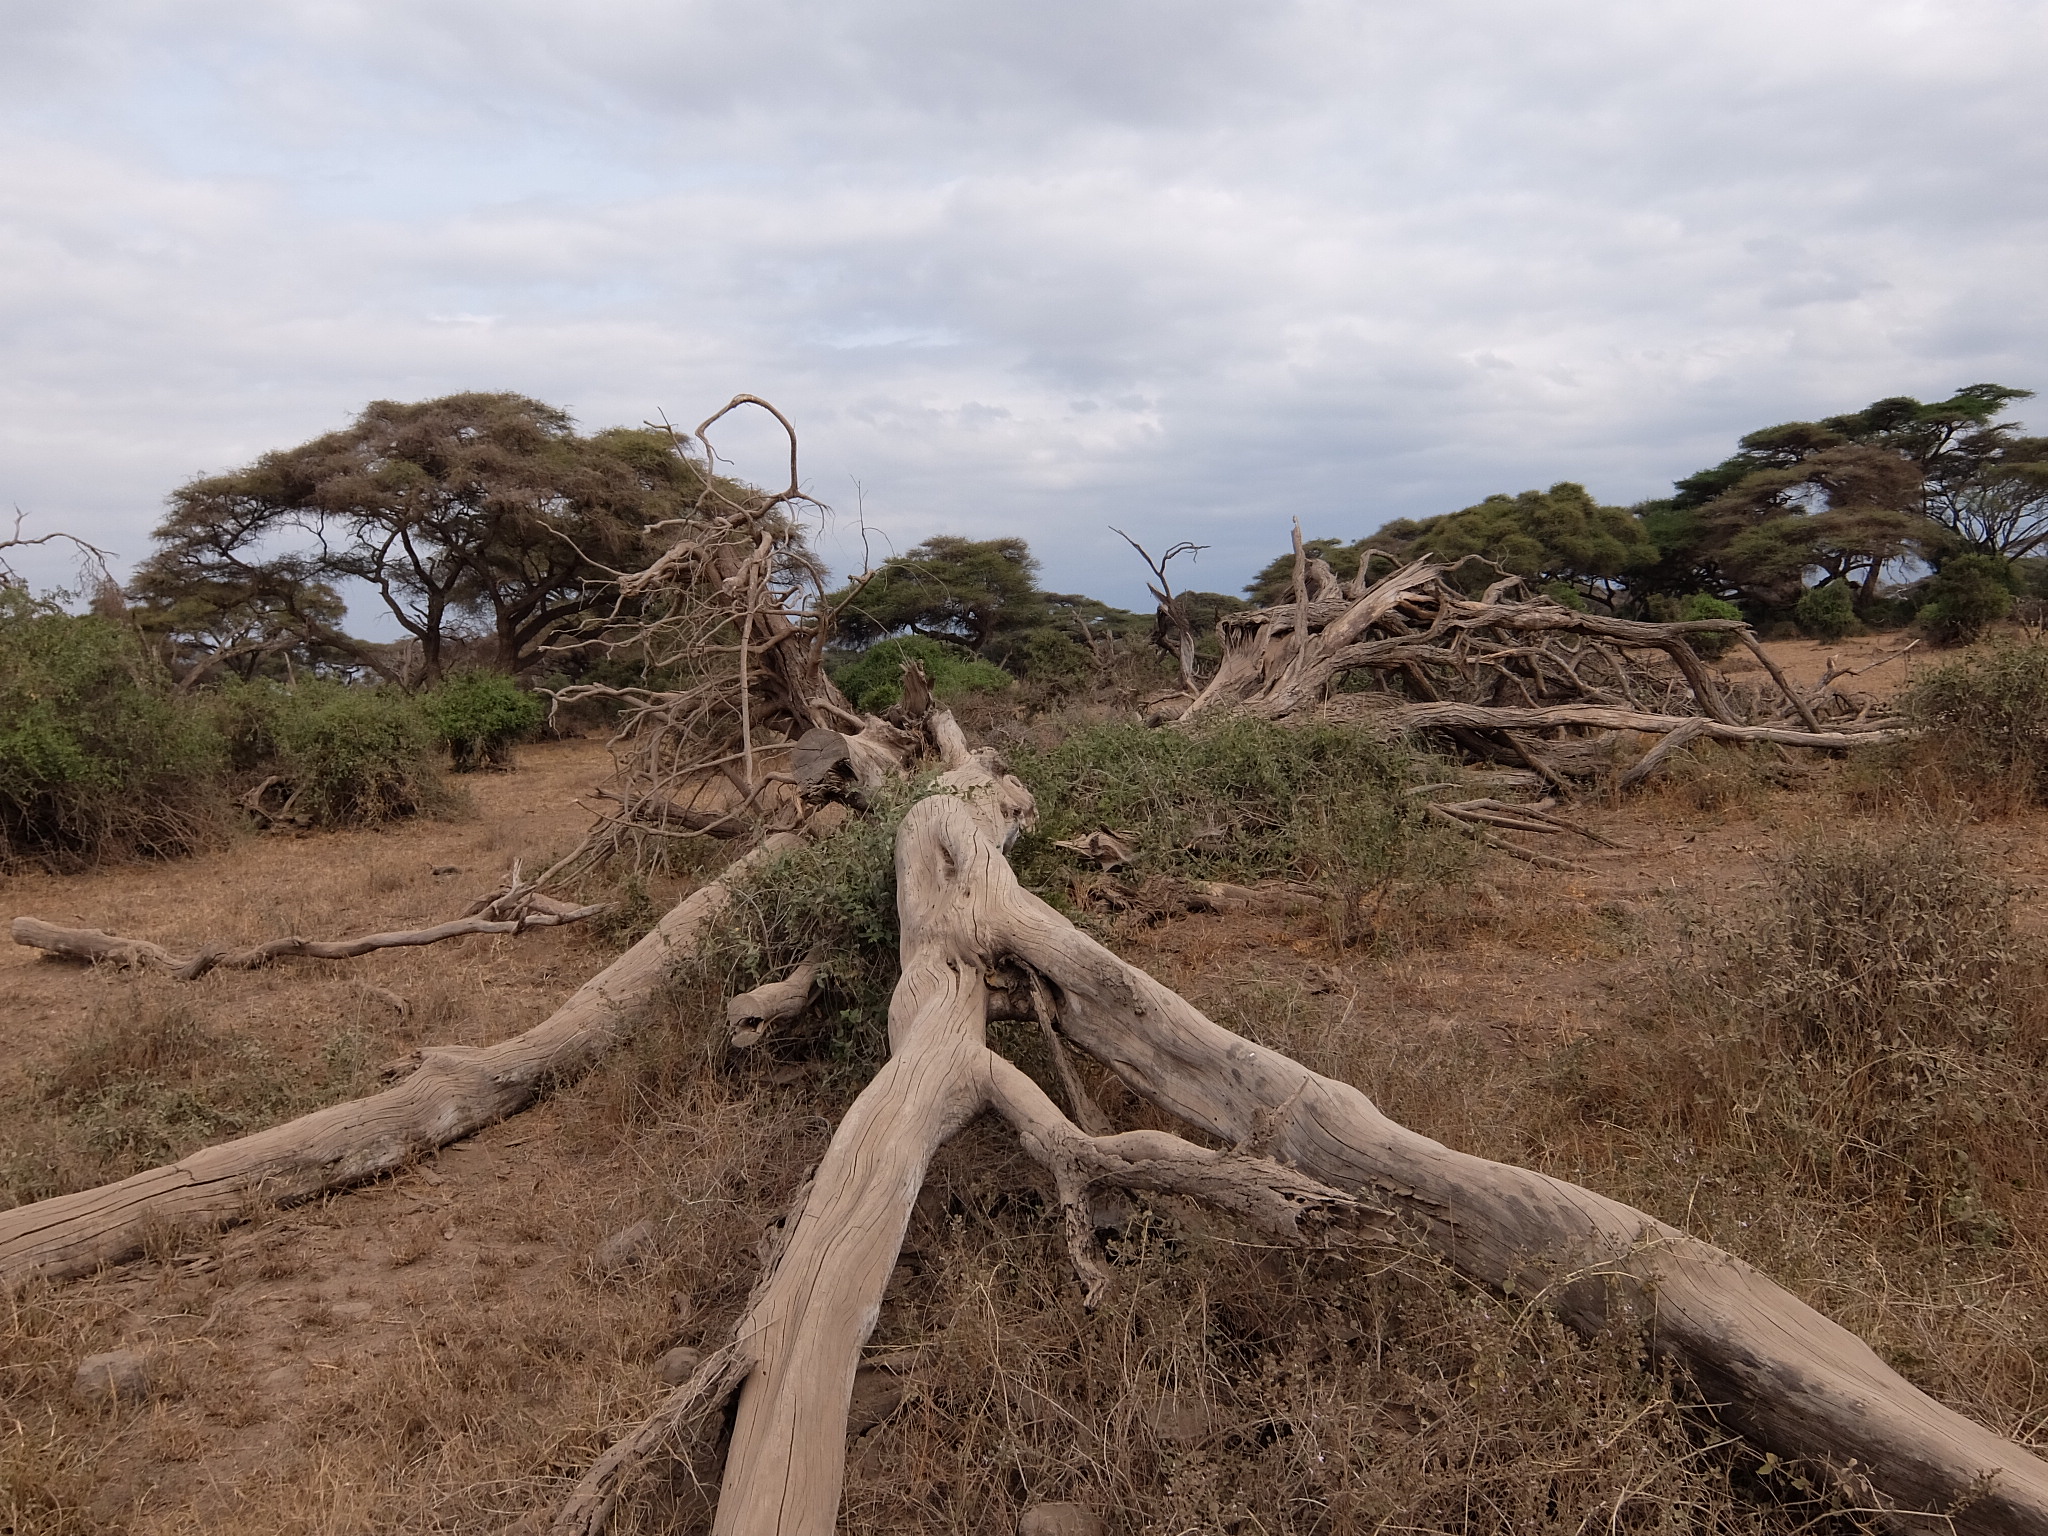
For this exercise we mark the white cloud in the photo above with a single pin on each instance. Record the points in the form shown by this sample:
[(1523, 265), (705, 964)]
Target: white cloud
[(1188, 267)]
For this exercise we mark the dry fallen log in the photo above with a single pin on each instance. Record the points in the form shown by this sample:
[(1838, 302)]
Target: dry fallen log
[(802, 1332), (456, 1090), (1799, 1384), (97, 948), (1509, 680)]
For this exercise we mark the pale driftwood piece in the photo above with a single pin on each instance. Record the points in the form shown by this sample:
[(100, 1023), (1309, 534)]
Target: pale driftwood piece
[(1471, 828), (96, 948), (803, 1333), (804, 1328), (1223, 896), (455, 1091), (751, 1015), (1672, 744), (1445, 716)]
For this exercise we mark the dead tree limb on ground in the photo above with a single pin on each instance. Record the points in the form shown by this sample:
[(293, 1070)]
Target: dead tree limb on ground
[(1512, 679), (511, 911), (453, 1092)]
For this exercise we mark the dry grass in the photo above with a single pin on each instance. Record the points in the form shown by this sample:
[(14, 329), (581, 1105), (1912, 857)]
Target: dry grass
[(436, 1354)]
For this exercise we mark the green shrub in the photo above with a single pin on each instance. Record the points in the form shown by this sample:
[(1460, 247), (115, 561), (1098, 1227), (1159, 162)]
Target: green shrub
[(1982, 726), (479, 715), (1703, 605), (873, 680), (97, 757), (345, 755), (838, 894), (1965, 597), (1240, 800), (1827, 612)]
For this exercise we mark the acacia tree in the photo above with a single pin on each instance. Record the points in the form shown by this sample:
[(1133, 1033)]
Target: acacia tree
[(1560, 537), (966, 591), (474, 513)]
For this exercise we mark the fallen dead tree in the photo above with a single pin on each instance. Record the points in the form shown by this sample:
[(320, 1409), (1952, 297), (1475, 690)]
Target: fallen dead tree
[(1798, 1383), (508, 912), (1505, 677)]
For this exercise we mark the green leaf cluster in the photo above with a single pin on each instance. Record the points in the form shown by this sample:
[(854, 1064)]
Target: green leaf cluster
[(478, 716), (873, 680), (97, 758)]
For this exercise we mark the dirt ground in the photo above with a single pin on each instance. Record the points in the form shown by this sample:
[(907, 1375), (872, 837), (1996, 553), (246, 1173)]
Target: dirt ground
[(437, 1351)]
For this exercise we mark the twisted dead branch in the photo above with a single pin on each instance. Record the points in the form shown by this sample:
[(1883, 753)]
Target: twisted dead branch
[(1510, 679), (507, 912)]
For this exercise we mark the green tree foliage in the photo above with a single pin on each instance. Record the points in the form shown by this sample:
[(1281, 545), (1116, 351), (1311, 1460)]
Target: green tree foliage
[(1965, 597), (967, 591), (478, 716), (1848, 496), (97, 759), (873, 680), (1828, 611), (982, 596), (1557, 538), (473, 513)]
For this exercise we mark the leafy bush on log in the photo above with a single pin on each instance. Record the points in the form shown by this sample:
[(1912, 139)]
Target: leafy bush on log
[(478, 716), (1239, 800), (97, 759)]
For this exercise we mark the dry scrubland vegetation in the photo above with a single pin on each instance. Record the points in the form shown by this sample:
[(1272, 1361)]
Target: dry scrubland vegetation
[(1799, 1013)]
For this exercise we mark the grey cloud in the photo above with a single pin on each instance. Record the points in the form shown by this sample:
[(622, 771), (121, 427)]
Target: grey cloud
[(1185, 267)]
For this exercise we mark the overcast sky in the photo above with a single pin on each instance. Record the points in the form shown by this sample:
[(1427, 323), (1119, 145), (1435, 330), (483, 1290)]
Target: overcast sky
[(1191, 268)]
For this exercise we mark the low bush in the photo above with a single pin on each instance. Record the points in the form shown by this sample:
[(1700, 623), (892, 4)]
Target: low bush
[(479, 716), (873, 680), (1240, 800), (1828, 611), (344, 756), (1981, 728), (1965, 597), (1873, 1040), (1698, 605), (97, 758)]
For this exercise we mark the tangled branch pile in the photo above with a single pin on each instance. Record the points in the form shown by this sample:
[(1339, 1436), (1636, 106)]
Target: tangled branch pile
[(1508, 677), (732, 621)]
